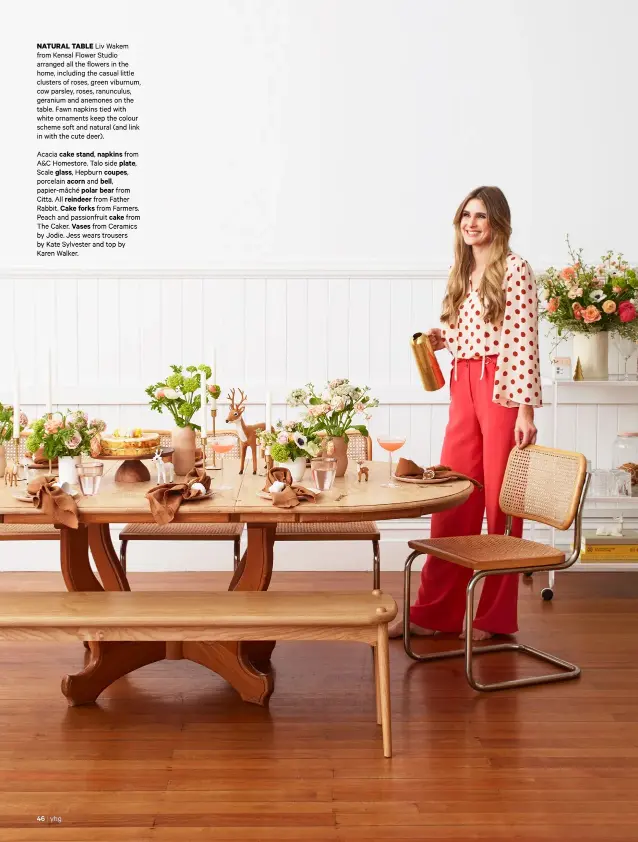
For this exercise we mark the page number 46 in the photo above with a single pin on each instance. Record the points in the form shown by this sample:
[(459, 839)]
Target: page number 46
[(50, 819)]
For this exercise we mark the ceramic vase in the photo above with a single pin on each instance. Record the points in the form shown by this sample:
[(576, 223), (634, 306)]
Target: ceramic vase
[(297, 467), (183, 442), (340, 453), (592, 349), (68, 469)]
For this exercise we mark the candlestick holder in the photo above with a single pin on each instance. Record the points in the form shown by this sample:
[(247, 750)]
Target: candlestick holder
[(214, 466)]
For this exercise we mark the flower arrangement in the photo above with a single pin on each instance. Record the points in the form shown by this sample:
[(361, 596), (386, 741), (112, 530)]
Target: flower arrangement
[(290, 440), (62, 434), (180, 393), (590, 299), (334, 408), (6, 423)]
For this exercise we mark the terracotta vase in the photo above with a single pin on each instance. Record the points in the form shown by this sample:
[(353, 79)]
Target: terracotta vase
[(3, 460), (183, 442), (340, 453)]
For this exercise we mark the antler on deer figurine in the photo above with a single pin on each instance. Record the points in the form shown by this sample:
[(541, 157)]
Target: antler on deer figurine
[(247, 432)]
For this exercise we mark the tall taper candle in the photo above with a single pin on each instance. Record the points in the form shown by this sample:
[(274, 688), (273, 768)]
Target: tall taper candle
[(268, 412), (49, 381), (16, 398), (203, 394), (214, 375)]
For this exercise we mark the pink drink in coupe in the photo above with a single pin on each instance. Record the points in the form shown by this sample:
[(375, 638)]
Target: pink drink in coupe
[(220, 446), (390, 443)]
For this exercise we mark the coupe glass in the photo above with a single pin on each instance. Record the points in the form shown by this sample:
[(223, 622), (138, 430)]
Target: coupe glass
[(626, 348), (222, 445), (390, 443)]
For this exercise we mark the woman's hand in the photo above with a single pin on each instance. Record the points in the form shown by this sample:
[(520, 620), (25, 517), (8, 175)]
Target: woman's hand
[(524, 429), (436, 338)]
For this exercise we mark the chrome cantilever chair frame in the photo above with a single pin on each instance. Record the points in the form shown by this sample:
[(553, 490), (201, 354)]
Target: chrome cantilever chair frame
[(569, 670)]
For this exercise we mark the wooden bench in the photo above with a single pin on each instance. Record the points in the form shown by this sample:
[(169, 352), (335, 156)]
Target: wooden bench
[(200, 616)]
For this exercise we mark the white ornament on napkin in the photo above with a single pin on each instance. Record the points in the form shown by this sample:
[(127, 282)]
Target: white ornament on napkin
[(197, 489), (278, 485)]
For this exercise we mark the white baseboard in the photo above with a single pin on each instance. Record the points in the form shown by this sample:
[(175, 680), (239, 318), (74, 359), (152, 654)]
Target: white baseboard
[(182, 556)]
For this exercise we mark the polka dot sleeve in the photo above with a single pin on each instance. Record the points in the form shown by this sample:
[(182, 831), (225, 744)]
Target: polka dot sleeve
[(518, 379)]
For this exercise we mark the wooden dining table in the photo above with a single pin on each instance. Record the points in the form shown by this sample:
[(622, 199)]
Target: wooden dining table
[(245, 665)]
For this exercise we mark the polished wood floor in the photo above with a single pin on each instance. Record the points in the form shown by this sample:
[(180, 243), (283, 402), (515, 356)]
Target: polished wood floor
[(172, 754)]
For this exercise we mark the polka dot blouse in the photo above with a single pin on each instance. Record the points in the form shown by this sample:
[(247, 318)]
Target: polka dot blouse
[(514, 341)]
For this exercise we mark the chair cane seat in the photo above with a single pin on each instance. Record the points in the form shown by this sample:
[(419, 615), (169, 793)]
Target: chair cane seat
[(358, 531), (29, 532), (181, 531), (491, 552)]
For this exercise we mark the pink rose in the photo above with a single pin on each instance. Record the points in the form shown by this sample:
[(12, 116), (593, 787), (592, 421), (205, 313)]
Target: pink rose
[(52, 426), (626, 311), (282, 438), (552, 305), (617, 289), (577, 310), (23, 420), (591, 314), (609, 306)]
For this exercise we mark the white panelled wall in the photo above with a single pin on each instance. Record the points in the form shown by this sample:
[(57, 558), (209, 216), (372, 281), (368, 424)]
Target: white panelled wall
[(113, 336)]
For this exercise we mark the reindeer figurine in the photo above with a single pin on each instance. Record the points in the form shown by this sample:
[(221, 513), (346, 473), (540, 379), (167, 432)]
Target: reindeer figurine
[(11, 474), (165, 471), (362, 472), (247, 432)]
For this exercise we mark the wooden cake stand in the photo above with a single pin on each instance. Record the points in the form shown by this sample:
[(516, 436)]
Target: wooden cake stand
[(131, 470)]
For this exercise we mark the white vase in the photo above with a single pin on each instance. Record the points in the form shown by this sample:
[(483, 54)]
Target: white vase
[(592, 349), (68, 469), (297, 467)]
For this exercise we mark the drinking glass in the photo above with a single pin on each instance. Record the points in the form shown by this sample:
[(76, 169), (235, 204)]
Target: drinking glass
[(626, 348), (222, 445), (90, 476), (620, 482), (323, 472), (390, 443)]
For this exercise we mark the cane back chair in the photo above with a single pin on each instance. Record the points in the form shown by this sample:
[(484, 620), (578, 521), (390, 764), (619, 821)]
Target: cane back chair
[(541, 484)]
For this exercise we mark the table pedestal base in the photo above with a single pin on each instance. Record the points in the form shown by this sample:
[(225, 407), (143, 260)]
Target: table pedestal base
[(245, 665)]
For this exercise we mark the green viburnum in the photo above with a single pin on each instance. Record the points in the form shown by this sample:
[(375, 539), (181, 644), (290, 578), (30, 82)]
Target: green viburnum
[(180, 393)]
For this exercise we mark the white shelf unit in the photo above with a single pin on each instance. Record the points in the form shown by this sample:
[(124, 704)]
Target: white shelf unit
[(593, 505)]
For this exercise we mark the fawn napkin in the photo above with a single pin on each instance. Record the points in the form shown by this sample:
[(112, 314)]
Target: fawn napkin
[(166, 499), (283, 492), (434, 474), (55, 503)]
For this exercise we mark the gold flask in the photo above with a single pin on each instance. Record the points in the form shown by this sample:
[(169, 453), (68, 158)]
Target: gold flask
[(431, 374)]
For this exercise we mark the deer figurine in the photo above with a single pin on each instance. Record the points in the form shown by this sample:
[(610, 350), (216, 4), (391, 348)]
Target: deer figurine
[(247, 433), (11, 474), (362, 472), (164, 469)]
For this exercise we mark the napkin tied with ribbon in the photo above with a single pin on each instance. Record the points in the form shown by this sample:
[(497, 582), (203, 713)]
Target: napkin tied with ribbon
[(57, 505), (434, 474), (283, 492), (165, 500)]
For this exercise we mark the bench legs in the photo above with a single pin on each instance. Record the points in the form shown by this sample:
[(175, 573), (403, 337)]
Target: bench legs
[(382, 681)]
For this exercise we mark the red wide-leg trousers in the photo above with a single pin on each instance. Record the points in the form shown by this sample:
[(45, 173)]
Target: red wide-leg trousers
[(478, 439)]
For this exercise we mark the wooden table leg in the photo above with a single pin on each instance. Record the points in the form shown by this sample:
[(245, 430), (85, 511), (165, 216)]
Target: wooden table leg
[(109, 661), (246, 666)]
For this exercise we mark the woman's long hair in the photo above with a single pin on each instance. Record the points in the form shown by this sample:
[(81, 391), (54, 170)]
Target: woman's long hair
[(491, 290)]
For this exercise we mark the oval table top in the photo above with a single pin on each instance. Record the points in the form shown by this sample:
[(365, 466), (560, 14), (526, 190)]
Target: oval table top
[(347, 501)]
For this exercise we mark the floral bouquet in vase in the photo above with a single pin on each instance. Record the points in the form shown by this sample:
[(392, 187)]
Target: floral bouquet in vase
[(65, 437), (290, 445), (6, 431), (332, 411), (589, 303)]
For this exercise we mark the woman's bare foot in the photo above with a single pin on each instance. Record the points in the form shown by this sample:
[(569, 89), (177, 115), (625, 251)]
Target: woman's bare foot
[(477, 634), (395, 629)]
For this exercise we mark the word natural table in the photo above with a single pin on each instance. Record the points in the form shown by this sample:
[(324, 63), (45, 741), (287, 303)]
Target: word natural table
[(245, 665)]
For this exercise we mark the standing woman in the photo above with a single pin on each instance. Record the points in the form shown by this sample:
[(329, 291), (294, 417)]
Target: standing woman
[(490, 317)]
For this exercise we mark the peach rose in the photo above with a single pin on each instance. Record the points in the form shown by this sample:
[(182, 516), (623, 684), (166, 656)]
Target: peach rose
[(609, 306), (591, 314), (577, 309), (568, 273), (52, 426), (552, 305), (617, 289)]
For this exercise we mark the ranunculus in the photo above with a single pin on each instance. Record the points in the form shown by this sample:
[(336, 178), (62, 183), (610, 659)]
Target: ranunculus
[(552, 305), (577, 309), (338, 403), (282, 438), (171, 394), (159, 393), (568, 273), (626, 311), (74, 441), (609, 306), (591, 314)]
